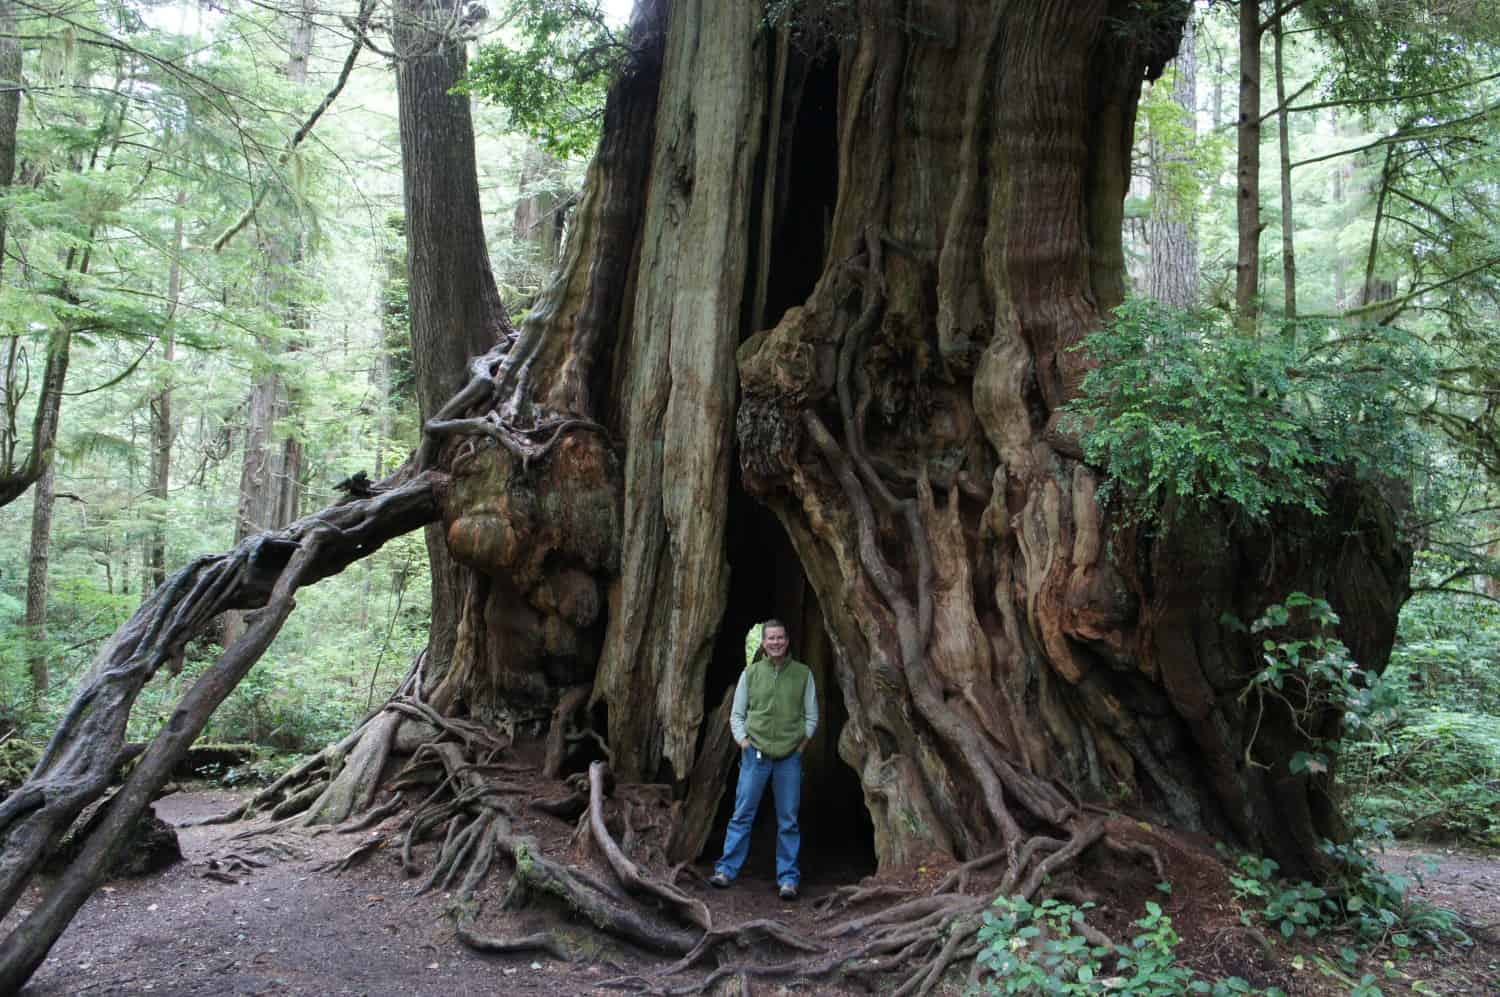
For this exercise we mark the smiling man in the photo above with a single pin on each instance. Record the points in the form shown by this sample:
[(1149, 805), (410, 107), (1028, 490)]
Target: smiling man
[(774, 715)]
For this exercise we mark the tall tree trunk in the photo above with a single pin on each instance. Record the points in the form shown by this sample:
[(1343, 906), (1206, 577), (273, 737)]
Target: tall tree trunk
[(1284, 148), (43, 498), (269, 471), (1341, 179), (453, 302), (161, 409), (538, 218), (1373, 287), (1247, 171), (674, 580), (292, 245), (1173, 225), (10, 106)]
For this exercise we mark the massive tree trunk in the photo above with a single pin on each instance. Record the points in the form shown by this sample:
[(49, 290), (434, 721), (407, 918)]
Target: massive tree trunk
[(939, 199), (926, 214)]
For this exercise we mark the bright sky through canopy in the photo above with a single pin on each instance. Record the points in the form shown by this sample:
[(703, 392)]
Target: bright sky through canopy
[(618, 11)]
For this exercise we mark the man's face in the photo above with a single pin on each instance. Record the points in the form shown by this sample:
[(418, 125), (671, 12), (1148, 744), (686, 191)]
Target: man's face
[(774, 639)]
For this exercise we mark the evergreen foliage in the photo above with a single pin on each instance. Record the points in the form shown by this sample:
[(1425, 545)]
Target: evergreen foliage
[(1181, 409), (137, 117), (550, 71)]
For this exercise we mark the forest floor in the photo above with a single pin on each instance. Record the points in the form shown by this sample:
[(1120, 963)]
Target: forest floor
[(284, 927)]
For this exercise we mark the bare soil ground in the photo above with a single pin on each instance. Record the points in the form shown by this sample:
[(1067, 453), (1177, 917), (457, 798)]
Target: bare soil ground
[(1466, 882), (284, 927)]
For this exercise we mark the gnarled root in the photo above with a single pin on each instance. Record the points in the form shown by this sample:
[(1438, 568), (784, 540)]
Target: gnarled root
[(922, 937), (467, 804)]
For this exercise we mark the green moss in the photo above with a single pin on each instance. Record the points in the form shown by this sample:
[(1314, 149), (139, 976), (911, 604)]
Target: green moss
[(17, 759)]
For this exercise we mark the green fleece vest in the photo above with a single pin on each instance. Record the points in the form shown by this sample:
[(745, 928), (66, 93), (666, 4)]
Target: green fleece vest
[(774, 720)]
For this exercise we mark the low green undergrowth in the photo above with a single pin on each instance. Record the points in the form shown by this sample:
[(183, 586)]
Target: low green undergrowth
[(1364, 913), (1039, 948), (1361, 924), (1364, 902), (1434, 776)]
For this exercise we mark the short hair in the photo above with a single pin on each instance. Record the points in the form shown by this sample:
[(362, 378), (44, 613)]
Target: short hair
[(760, 649)]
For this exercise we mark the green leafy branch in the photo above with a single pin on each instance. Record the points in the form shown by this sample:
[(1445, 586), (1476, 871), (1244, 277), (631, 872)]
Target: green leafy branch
[(1180, 410)]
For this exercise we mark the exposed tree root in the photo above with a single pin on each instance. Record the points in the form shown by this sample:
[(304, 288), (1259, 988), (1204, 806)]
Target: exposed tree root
[(845, 897), (356, 855), (548, 942), (493, 378), (694, 911), (917, 938)]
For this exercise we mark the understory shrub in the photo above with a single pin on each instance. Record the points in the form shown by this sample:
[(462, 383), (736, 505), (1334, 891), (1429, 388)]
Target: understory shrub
[(1183, 409), (1436, 776), (1038, 948), (1365, 912), (1429, 768)]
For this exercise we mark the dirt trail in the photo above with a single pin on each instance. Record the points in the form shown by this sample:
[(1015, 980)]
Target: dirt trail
[(287, 928), (284, 928), (1466, 882)]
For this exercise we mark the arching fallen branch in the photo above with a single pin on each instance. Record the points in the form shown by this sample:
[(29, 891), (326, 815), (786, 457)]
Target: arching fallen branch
[(263, 571)]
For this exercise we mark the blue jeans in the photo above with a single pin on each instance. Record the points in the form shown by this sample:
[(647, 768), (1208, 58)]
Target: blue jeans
[(785, 777)]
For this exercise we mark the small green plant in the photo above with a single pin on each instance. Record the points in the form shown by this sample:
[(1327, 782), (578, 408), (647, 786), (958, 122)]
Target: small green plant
[(1364, 905), (1034, 947), (1041, 948), (1311, 672)]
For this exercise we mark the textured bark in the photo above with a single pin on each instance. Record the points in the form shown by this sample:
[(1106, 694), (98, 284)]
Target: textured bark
[(1172, 229), (1247, 171), (679, 389), (1284, 161), (454, 306), (43, 499), (10, 106), (161, 411)]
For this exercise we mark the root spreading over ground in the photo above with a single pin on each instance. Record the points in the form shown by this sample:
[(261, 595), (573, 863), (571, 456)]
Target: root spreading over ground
[(464, 786)]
